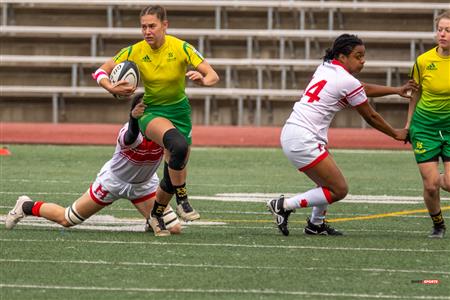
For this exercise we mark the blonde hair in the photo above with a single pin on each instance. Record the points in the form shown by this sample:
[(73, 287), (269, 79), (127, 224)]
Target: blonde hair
[(443, 15)]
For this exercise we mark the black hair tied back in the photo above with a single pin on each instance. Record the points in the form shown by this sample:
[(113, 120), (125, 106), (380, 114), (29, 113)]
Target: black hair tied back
[(343, 44), (329, 55)]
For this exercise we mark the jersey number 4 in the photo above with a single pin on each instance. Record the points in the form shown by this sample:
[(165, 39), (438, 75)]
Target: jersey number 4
[(314, 90)]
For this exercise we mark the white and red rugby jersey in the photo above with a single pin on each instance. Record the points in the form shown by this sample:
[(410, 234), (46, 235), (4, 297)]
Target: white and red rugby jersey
[(331, 89), (135, 163)]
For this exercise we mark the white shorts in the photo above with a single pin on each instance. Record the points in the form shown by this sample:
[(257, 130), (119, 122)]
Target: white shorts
[(107, 188), (303, 149)]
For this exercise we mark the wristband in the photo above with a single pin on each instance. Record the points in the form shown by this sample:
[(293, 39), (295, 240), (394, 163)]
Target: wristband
[(99, 75)]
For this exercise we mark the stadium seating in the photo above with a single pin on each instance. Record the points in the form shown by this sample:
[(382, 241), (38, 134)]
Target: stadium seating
[(264, 52)]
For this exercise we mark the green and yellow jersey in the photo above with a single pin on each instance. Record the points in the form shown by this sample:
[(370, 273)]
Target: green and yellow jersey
[(162, 70), (432, 72)]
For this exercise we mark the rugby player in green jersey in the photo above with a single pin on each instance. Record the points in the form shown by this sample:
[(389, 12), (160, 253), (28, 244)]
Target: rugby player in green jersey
[(163, 62), (429, 121)]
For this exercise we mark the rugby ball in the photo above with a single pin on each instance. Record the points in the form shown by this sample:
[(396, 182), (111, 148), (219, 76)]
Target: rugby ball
[(127, 71)]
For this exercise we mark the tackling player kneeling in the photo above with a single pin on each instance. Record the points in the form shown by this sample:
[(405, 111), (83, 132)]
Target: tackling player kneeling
[(129, 174)]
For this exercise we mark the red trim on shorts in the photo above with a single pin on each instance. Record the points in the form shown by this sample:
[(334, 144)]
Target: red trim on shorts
[(327, 194), (36, 208), (315, 162), (95, 199), (142, 199)]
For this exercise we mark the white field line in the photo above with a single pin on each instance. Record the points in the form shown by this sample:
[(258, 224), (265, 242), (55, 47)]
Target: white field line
[(256, 186), (112, 224), (304, 212), (182, 265), (104, 223), (263, 197), (216, 291), (252, 246)]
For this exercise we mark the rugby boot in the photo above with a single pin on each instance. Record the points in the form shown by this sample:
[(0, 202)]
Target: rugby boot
[(281, 214), (16, 214)]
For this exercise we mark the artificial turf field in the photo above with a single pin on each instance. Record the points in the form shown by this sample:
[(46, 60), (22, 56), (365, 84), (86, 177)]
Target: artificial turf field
[(235, 251)]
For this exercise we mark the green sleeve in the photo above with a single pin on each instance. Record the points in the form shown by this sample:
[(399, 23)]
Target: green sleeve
[(194, 57)]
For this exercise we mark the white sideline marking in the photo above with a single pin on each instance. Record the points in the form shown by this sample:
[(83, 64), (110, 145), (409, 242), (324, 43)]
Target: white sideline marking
[(229, 245), (137, 225), (151, 264), (216, 291), (263, 197), (238, 212), (104, 223)]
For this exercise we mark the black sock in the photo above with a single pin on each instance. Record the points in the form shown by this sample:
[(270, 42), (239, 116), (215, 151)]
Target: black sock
[(180, 193), (438, 219), (27, 207), (158, 209)]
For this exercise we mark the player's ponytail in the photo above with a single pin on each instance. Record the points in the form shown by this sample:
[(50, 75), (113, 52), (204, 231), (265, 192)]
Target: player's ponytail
[(329, 55), (343, 44)]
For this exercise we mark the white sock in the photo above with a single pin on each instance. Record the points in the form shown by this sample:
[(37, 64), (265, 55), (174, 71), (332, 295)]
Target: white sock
[(318, 214), (315, 197)]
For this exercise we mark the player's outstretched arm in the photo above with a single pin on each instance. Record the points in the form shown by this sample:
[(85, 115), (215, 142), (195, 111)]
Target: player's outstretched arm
[(133, 125), (375, 120), (412, 107), (375, 90)]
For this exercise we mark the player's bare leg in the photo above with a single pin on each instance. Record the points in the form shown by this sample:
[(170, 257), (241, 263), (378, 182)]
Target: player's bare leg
[(76, 213), (163, 132), (327, 175), (445, 178), (332, 187), (431, 195)]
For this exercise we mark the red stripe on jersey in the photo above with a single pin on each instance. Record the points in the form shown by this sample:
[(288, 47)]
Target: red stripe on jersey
[(343, 102), (142, 199), (327, 194), (315, 162), (35, 211), (145, 152), (355, 91)]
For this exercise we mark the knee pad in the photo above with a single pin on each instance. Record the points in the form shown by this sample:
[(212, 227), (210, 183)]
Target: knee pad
[(167, 186), (165, 183), (170, 218), (178, 147), (72, 216)]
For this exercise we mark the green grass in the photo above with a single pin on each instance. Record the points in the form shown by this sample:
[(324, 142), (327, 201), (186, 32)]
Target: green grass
[(245, 257)]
